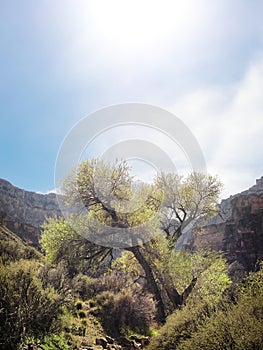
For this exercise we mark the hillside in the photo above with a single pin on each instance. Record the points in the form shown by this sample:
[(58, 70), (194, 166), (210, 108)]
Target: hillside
[(237, 230), (80, 296), (23, 211)]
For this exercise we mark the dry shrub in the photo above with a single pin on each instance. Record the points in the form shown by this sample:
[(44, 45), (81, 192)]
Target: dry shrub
[(129, 309)]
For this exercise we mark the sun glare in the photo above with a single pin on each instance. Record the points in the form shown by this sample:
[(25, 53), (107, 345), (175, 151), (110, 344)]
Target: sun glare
[(134, 25)]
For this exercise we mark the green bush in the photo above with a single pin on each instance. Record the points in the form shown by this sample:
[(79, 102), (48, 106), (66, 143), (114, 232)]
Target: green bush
[(13, 249), (26, 308), (83, 286), (50, 342), (55, 342), (228, 324), (237, 326)]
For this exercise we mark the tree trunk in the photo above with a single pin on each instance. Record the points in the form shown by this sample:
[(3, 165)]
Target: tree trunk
[(151, 282)]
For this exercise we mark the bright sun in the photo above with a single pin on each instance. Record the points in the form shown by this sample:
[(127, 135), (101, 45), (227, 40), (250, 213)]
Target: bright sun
[(133, 25)]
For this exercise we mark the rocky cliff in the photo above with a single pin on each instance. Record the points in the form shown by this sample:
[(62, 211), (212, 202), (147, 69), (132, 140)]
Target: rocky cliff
[(23, 212), (238, 228)]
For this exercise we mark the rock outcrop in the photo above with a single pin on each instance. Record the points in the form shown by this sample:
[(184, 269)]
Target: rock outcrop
[(238, 228), (23, 212)]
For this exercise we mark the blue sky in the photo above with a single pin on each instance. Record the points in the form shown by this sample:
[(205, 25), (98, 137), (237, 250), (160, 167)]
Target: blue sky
[(62, 60)]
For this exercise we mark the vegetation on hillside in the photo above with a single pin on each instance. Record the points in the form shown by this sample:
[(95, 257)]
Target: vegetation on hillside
[(80, 289)]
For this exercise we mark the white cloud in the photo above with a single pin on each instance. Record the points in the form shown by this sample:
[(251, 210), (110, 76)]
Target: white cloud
[(54, 190), (228, 123)]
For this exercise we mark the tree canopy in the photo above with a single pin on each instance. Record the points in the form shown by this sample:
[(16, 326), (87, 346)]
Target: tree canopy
[(111, 210)]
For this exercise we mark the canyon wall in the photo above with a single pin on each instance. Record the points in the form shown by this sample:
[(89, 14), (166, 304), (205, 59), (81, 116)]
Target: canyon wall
[(23, 212), (238, 228)]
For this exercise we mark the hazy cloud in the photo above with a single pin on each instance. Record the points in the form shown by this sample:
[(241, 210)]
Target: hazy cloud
[(228, 122)]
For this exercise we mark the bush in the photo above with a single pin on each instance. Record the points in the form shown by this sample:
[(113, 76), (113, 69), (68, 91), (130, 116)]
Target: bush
[(13, 249), (86, 287), (238, 326), (56, 277), (50, 342), (229, 324), (26, 308), (83, 286), (122, 311)]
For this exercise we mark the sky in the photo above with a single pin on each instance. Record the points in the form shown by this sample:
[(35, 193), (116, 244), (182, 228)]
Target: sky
[(62, 60)]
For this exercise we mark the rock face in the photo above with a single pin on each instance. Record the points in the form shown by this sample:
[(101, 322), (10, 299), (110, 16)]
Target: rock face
[(23, 212), (238, 228)]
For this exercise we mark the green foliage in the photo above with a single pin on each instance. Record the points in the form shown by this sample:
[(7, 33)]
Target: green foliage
[(74, 324), (212, 278), (83, 286), (127, 264), (55, 342), (192, 276), (56, 277), (171, 265), (26, 308), (12, 247), (211, 325), (61, 243), (187, 200), (95, 179), (50, 342), (37, 300)]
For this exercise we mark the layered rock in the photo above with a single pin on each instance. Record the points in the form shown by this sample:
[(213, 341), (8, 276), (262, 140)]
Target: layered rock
[(24, 212), (238, 228)]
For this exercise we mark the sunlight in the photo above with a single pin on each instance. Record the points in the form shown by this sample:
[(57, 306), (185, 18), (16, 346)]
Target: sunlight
[(137, 25)]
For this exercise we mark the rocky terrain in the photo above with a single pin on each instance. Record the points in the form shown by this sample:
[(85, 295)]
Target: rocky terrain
[(237, 230), (23, 212)]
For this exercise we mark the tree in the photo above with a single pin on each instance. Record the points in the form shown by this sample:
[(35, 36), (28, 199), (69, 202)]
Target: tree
[(63, 244), (107, 210), (186, 201)]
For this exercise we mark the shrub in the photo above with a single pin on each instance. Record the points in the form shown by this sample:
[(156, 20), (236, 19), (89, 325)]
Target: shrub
[(123, 311), (78, 305), (230, 325), (13, 249), (50, 342), (56, 277), (238, 326), (83, 286), (26, 308)]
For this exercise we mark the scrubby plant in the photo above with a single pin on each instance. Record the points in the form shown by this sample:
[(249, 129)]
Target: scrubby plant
[(226, 324), (130, 309), (26, 308), (50, 342), (12, 248), (78, 305)]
